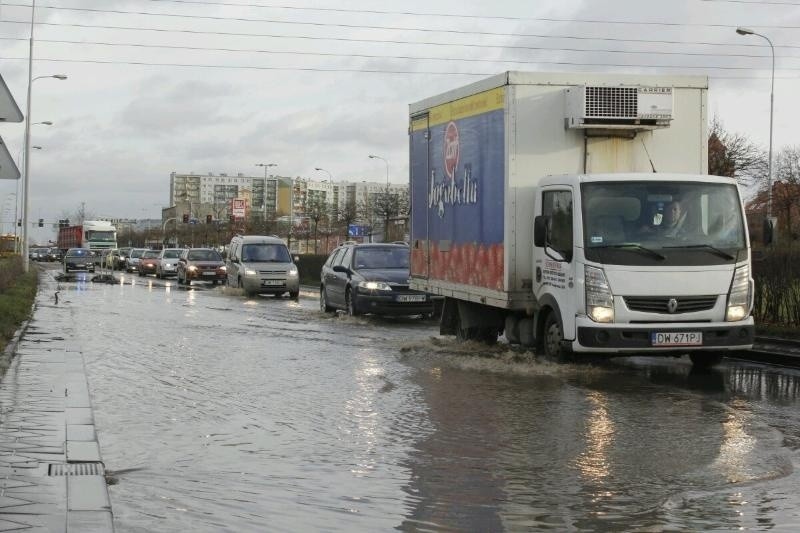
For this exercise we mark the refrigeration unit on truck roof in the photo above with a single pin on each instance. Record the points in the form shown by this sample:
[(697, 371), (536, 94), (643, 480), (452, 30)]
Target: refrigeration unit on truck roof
[(597, 106)]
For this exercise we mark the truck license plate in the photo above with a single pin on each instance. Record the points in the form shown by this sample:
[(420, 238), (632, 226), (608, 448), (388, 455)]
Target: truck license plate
[(411, 298), (683, 338), (272, 282)]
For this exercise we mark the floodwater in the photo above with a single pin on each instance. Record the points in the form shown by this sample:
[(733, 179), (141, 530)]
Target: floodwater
[(216, 412)]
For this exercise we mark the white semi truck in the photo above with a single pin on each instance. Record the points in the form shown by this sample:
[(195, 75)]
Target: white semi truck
[(573, 212)]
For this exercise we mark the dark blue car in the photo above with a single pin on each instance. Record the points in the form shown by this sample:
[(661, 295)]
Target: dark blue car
[(371, 278)]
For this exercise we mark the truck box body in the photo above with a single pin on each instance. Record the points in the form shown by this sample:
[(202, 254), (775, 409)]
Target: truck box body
[(478, 152), (94, 235), (573, 213)]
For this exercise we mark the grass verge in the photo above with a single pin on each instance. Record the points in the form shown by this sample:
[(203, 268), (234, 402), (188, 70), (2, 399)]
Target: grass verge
[(17, 293)]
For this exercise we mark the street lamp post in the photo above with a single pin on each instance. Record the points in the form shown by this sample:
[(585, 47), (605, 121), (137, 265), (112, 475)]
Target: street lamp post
[(334, 206), (264, 199), (371, 156), (26, 193), (747, 31)]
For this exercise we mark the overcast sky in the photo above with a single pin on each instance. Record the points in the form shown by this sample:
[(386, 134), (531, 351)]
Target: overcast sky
[(223, 85)]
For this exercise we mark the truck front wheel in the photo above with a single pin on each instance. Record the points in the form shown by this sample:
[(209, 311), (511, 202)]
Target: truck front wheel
[(705, 360), (553, 337)]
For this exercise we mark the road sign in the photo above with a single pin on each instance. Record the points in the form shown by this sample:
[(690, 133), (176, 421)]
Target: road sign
[(8, 169), (9, 112)]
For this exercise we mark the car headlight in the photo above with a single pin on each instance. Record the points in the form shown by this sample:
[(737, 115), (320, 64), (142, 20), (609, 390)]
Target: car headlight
[(599, 300), (739, 295), (223, 268), (374, 285), (192, 268), (292, 273), (250, 272)]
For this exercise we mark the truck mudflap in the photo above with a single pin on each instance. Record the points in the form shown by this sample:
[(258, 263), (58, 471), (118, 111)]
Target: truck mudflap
[(663, 338)]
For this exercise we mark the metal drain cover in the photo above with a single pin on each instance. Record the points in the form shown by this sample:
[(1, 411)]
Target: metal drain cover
[(76, 469)]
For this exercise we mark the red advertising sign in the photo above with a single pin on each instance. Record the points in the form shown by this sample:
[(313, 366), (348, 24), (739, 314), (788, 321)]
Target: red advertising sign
[(238, 207)]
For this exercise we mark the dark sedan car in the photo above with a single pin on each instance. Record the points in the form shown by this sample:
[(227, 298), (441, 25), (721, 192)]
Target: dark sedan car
[(78, 259), (371, 278), (200, 264)]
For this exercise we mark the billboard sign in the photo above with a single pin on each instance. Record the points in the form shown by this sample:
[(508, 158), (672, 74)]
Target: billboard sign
[(238, 207), (354, 230)]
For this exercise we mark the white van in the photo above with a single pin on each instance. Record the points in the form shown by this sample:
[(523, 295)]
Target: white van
[(259, 264)]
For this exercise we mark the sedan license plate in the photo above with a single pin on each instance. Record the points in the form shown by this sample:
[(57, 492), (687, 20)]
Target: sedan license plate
[(272, 282), (209, 273), (411, 298), (683, 338)]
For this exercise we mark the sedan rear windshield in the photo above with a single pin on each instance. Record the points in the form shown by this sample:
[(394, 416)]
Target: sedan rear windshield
[(396, 257)]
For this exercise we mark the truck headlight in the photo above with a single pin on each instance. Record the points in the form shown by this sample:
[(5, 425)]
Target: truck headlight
[(599, 300), (374, 285), (739, 295)]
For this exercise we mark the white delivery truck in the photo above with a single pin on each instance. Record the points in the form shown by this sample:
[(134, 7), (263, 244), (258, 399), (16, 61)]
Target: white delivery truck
[(573, 213)]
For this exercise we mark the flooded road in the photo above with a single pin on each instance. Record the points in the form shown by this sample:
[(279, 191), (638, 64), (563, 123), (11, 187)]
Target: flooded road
[(216, 412)]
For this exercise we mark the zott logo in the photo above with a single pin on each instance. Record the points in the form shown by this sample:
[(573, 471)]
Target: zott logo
[(451, 150)]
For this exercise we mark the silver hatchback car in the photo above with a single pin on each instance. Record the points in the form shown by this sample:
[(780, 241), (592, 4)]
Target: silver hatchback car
[(168, 262), (260, 264)]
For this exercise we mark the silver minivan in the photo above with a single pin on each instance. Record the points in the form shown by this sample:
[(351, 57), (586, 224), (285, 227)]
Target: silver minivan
[(260, 264)]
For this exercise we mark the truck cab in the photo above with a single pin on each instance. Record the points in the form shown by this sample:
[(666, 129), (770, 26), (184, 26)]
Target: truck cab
[(642, 262)]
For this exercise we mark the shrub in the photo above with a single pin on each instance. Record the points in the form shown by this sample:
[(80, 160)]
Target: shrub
[(17, 293)]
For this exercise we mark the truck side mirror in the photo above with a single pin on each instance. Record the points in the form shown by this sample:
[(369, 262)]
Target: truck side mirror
[(540, 231)]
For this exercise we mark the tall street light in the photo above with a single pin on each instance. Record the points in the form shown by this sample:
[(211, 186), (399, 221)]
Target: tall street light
[(747, 31), (31, 79), (264, 200), (371, 156), (18, 204)]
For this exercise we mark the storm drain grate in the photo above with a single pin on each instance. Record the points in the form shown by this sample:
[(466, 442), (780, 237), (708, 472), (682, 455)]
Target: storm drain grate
[(76, 469)]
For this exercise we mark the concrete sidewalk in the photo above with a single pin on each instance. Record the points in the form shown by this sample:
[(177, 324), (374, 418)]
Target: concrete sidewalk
[(51, 472)]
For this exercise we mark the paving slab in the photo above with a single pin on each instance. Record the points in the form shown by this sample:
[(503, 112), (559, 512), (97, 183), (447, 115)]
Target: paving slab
[(48, 442)]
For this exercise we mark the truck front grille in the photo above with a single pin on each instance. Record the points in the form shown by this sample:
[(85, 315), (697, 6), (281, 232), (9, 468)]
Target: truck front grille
[(660, 304)]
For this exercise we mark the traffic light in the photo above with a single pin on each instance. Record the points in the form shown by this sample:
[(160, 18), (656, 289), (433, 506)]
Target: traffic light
[(209, 218), (41, 222), (186, 218)]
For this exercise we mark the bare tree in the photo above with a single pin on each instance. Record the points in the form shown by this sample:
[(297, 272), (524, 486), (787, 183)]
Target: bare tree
[(316, 210), (389, 205), (346, 216), (735, 156)]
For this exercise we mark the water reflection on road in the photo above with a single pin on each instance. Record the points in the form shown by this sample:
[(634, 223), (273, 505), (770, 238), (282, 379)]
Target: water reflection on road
[(219, 412)]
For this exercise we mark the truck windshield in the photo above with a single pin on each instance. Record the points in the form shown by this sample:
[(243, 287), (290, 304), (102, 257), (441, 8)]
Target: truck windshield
[(100, 236), (676, 222)]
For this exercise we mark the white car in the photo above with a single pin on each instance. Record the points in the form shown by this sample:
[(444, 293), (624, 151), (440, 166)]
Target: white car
[(168, 262)]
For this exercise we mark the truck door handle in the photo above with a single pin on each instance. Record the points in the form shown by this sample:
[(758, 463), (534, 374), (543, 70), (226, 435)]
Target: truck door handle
[(538, 274)]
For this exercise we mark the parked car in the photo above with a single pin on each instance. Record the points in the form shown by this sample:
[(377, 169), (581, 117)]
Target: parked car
[(132, 261), (260, 264), (371, 278), (78, 259), (148, 262), (200, 264), (168, 262)]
